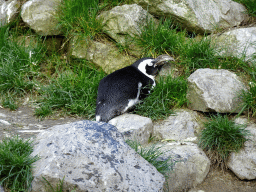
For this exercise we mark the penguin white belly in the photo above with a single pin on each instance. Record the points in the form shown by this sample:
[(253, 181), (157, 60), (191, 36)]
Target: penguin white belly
[(133, 102)]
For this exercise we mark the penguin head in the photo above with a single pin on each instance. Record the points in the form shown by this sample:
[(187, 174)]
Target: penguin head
[(150, 66)]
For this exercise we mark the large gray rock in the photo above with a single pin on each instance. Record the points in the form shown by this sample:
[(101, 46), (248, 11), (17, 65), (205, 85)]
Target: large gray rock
[(123, 22), (214, 90), (105, 55), (243, 163), (238, 42), (201, 16), (1, 189), (41, 16), (190, 166), (8, 11), (91, 156), (179, 127), (134, 127)]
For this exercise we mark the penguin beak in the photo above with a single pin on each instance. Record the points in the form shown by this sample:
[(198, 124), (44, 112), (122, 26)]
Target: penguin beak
[(162, 59)]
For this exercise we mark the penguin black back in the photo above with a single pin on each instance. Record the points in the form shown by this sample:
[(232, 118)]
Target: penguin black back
[(123, 89)]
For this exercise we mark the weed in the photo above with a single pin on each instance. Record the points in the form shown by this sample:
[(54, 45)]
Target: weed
[(168, 93), (220, 137), (16, 163)]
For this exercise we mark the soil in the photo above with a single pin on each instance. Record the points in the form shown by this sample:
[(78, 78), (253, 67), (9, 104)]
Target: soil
[(22, 122)]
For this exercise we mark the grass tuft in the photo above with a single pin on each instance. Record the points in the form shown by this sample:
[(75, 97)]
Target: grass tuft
[(168, 93), (16, 163), (152, 154), (73, 91), (220, 137)]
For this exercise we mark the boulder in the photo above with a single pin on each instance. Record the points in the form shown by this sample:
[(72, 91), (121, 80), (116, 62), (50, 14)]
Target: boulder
[(41, 16), (238, 42), (91, 156), (124, 22), (105, 55), (243, 163), (1, 189), (198, 16), (133, 127), (190, 165), (8, 11), (214, 90), (178, 127)]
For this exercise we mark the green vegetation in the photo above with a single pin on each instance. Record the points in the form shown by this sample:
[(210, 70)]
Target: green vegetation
[(169, 93), (220, 137), (250, 6), (16, 163), (154, 155), (73, 90)]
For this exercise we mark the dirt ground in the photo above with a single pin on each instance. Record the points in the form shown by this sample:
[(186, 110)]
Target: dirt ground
[(22, 122)]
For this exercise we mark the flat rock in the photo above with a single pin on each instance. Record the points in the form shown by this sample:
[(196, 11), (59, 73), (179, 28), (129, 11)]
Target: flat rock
[(179, 127), (198, 16), (93, 157), (133, 127)]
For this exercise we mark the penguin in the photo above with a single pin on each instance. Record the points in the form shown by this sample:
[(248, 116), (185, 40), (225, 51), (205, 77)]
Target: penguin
[(121, 90)]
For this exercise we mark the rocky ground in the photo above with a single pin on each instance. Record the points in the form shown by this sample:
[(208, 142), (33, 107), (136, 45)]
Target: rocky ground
[(22, 122)]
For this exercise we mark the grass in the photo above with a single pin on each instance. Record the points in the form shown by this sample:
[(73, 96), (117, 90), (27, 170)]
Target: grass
[(73, 91), (220, 137), (152, 154), (169, 93), (249, 100), (16, 163), (250, 6)]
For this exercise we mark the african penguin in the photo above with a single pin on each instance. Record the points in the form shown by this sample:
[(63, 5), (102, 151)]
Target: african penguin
[(123, 89)]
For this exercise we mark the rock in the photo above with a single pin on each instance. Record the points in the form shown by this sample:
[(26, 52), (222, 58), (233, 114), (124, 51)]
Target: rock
[(214, 90), (190, 165), (243, 163), (179, 127), (124, 22), (41, 16), (105, 55), (133, 127), (200, 16), (238, 42), (1, 189), (8, 11), (91, 156)]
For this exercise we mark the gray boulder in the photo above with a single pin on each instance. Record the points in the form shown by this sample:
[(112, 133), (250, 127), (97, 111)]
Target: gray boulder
[(105, 55), (133, 127), (1, 189), (214, 90), (243, 163), (124, 22), (178, 127), (190, 165), (238, 42), (91, 156), (200, 16), (41, 16), (8, 11)]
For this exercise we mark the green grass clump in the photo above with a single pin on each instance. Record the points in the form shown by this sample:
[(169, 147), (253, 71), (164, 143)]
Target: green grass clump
[(249, 99), (16, 163), (156, 39), (220, 137), (250, 5), (168, 93), (73, 91), (153, 155), (18, 65)]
